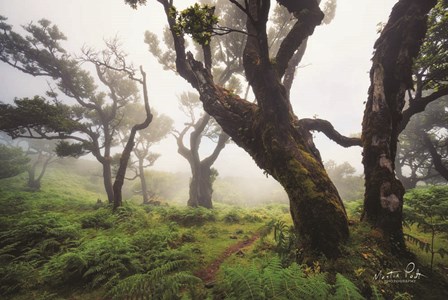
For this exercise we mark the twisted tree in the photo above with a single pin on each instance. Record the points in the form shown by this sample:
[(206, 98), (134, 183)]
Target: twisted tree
[(391, 76), (268, 130), (92, 122), (202, 173)]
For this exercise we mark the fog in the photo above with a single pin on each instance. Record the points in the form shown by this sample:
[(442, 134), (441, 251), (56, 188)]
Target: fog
[(331, 84)]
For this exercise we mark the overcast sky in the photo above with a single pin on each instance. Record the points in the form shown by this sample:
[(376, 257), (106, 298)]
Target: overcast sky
[(333, 84)]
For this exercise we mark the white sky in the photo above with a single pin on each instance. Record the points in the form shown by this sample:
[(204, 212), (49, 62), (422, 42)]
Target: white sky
[(333, 85)]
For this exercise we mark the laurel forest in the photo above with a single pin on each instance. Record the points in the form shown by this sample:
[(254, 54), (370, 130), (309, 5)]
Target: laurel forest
[(126, 182)]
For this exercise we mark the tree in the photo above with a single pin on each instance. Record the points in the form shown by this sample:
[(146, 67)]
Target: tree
[(422, 150), (95, 118), (390, 76), (203, 175), (142, 157), (43, 154), (430, 70), (269, 130), (422, 140), (13, 161), (349, 185), (227, 67)]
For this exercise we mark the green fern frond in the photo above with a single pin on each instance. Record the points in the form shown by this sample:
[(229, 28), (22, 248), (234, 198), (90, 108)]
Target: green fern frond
[(146, 286), (345, 289)]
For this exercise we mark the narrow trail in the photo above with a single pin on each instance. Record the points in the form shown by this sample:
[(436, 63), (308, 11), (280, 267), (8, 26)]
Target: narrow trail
[(208, 274)]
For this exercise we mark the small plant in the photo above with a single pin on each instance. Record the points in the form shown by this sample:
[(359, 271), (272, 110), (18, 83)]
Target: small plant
[(428, 209), (286, 241)]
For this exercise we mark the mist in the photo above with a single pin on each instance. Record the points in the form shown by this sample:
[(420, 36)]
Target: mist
[(319, 87)]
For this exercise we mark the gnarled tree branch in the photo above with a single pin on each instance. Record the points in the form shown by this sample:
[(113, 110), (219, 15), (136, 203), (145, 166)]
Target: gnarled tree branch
[(327, 128)]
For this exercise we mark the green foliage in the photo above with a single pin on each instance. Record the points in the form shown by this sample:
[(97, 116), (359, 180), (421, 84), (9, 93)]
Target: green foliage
[(345, 289), (271, 281), (100, 262), (28, 112), (428, 209), (232, 217), (64, 149), (13, 161), (99, 219), (354, 209), (163, 282), (433, 59), (16, 276), (189, 216), (35, 237), (286, 241), (197, 20)]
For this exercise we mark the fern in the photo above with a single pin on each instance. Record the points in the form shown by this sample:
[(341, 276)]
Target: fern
[(272, 281), (160, 283), (36, 236), (345, 289), (285, 239), (16, 276)]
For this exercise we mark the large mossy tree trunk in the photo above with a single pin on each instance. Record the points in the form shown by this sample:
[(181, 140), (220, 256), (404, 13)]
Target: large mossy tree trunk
[(390, 78), (269, 131)]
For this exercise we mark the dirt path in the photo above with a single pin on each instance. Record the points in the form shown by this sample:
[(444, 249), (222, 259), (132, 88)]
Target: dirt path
[(208, 274)]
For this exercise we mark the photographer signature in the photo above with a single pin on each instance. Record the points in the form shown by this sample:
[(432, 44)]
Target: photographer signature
[(409, 274)]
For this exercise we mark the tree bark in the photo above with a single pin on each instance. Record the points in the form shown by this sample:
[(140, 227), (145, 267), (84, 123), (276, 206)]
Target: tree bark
[(436, 157), (201, 187), (201, 191), (126, 153), (107, 180), (390, 76), (141, 175)]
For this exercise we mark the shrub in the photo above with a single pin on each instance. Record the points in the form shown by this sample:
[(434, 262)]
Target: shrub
[(232, 217), (35, 236), (16, 276), (100, 219), (189, 216), (100, 262)]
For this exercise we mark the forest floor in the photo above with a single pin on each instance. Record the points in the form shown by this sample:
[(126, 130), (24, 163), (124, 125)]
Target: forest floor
[(209, 273), (59, 243)]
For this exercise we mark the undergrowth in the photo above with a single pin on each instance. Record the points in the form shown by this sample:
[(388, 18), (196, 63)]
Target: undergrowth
[(272, 281), (61, 243)]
